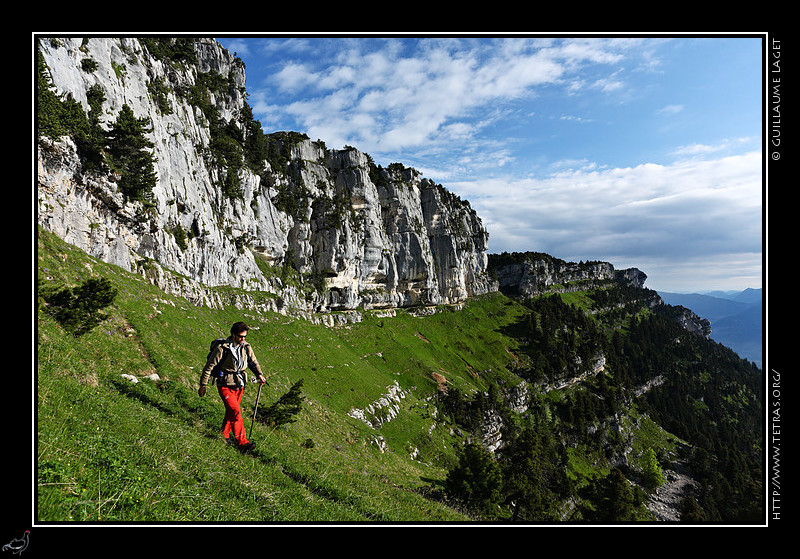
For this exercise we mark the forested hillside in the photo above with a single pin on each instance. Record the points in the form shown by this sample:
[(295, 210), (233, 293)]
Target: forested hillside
[(736, 319), (704, 403)]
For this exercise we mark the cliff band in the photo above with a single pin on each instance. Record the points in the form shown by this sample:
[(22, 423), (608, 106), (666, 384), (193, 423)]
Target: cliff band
[(232, 206)]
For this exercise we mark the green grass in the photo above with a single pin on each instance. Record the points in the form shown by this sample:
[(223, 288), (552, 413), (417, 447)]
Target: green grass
[(580, 299), (110, 450)]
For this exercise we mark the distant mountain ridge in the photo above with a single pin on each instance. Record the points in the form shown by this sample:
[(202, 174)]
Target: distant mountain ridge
[(749, 295), (736, 317)]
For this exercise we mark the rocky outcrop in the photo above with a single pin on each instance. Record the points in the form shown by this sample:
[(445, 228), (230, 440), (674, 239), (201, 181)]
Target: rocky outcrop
[(317, 229), (666, 502), (383, 410), (689, 320), (632, 276), (383, 237), (531, 273)]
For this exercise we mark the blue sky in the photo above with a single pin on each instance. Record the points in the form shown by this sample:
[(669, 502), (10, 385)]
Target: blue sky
[(642, 151)]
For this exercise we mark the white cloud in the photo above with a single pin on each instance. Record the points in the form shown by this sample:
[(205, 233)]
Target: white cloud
[(574, 118), (416, 98), (688, 216), (451, 108), (704, 149), (293, 77), (671, 109), (238, 46), (609, 84)]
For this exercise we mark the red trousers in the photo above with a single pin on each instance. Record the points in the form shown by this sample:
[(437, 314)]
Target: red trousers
[(232, 398)]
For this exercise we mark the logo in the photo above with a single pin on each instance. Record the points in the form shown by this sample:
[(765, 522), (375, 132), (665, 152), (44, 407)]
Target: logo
[(18, 545)]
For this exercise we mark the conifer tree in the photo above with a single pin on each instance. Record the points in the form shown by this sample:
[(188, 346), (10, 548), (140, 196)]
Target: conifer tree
[(615, 501), (652, 476), (128, 150), (477, 480)]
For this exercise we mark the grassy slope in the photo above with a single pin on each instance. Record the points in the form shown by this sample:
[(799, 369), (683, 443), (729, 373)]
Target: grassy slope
[(112, 451)]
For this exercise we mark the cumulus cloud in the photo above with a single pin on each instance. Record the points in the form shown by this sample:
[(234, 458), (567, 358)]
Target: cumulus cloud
[(689, 212), (382, 97), (458, 108)]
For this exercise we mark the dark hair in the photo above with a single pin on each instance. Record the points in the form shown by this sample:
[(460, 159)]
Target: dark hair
[(239, 327)]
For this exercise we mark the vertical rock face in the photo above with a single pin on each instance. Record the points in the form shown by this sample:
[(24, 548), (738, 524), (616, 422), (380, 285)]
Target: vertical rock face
[(360, 234), (381, 237), (529, 274)]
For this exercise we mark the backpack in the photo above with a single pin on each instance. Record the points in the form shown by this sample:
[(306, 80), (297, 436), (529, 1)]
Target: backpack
[(216, 371)]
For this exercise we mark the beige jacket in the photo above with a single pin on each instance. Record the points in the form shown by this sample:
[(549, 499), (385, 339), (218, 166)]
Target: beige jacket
[(230, 374)]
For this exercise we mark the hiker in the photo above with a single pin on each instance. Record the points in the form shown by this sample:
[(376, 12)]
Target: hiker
[(228, 361)]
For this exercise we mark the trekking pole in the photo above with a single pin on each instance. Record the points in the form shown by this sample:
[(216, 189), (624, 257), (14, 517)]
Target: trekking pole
[(255, 409)]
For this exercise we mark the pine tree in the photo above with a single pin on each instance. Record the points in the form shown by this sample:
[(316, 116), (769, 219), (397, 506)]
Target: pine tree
[(532, 475), (477, 480), (652, 475), (691, 511), (616, 499), (49, 109), (128, 150)]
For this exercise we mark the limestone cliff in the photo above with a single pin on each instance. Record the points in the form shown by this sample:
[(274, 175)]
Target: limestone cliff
[(531, 273), (320, 229)]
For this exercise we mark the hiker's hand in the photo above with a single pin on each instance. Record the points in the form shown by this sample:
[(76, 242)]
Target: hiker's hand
[(262, 379), (201, 391)]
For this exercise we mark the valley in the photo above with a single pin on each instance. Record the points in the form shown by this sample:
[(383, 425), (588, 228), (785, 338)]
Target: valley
[(736, 318)]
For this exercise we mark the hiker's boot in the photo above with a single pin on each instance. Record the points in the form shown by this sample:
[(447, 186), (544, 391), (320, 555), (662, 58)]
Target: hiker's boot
[(246, 447)]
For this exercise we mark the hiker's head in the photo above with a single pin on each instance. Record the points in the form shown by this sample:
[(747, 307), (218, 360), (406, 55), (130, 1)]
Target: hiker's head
[(239, 330)]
